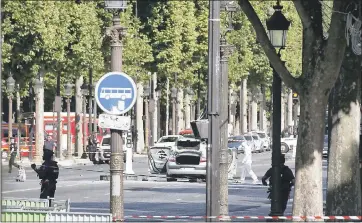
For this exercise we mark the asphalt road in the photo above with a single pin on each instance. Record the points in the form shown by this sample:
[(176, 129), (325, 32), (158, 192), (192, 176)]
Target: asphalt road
[(87, 193)]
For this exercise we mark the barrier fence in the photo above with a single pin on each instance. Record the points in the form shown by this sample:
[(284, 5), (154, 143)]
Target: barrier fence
[(247, 217)]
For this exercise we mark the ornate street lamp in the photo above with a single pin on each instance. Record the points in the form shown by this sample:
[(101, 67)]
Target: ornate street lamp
[(10, 86), (68, 95), (277, 26), (84, 90)]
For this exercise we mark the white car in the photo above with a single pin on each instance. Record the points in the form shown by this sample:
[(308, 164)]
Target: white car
[(167, 141), (188, 160), (104, 149), (265, 140), (258, 143)]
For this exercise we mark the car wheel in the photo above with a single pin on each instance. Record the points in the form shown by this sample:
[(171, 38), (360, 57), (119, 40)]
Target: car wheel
[(194, 180), (107, 161), (95, 162)]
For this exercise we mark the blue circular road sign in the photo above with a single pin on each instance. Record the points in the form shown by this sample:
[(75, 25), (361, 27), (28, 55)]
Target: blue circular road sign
[(116, 93)]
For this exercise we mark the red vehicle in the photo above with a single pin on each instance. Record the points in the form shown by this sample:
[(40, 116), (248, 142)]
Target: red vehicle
[(50, 128)]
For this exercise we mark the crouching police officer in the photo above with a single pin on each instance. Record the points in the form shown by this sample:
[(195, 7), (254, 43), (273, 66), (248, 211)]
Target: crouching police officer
[(48, 172), (287, 182)]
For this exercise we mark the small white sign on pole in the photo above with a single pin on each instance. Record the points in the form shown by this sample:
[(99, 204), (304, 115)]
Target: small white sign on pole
[(114, 122)]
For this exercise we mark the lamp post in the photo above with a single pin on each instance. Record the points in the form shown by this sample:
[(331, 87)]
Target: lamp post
[(158, 102), (174, 116), (10, 86), (68, 95), (116, 32), (225, 51), (84, 90), (39, 117), (277, 26), (146, 95)]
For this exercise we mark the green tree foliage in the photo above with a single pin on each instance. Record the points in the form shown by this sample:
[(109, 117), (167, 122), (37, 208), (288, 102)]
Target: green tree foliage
[(59, 36), (137, 51), (174, 35), (249, 58)]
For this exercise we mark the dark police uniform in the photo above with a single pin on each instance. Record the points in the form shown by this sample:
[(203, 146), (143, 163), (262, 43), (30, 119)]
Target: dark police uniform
[(48, 172), (286, 184)]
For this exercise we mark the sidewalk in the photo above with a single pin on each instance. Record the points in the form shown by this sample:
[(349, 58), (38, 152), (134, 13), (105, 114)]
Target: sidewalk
[(63, 163)]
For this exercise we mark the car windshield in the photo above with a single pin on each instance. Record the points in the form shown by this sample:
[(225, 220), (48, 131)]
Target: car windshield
[(106, 142), (168, 139), (261, 135), (255, 137), (249, 138), (188, 143)]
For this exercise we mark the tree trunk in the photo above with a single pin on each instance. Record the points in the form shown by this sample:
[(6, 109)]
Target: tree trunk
[(308, 196), (243, 120), (155, 113), (78, 119), (254, 114), (344, 192), (139, 120), (187, 111), (179, 110)]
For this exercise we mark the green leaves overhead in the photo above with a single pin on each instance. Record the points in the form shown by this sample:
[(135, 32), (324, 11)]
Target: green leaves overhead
[(170, 38), (174, 35), (60, 36), (137, 51)]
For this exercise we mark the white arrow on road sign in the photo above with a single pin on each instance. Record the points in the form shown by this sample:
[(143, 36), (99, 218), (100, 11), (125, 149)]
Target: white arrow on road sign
[(116, 93), (107, 121)]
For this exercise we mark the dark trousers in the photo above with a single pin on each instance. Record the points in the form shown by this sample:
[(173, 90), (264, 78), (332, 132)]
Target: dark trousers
[(284, 200), (92, 152), (12, 162), (47, 190)]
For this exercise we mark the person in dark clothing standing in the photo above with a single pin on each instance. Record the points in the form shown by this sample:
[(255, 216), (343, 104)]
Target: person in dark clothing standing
[(48, 172), (286, 184), (92, 146), (13, 152)]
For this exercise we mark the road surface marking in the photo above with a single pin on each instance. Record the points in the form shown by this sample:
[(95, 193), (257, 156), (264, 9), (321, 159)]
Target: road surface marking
[(86, 197)]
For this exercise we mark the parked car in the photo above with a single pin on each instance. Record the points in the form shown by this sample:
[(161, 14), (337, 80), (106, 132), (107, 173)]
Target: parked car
[(237, 142), (258, 143), (325, 146), (250, 140), (265, 140), (103, 153), (188, 160)]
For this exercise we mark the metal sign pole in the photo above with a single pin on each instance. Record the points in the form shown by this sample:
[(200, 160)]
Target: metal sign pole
[(213, 175), (116, 165)]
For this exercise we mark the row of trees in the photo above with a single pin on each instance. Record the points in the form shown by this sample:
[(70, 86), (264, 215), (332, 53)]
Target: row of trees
[(170, 38)]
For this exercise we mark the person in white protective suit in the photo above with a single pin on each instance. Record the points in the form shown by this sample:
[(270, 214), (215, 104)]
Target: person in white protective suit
[(246, 165)]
